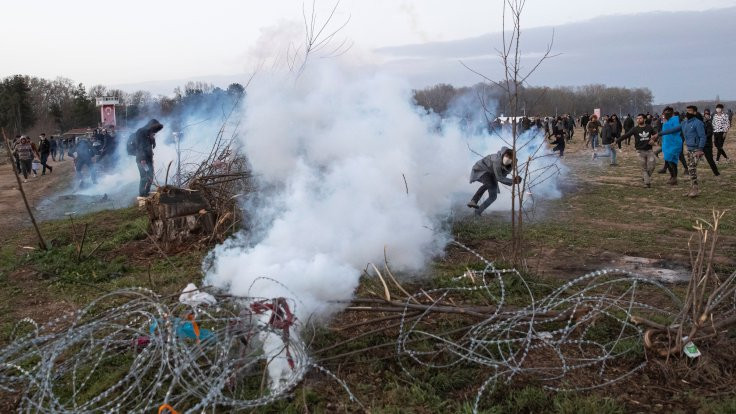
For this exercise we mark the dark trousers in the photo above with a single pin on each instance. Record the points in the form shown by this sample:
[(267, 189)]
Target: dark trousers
[(488, 183), (17, 164), (560, 145), (672, 168), (53, 154), (80, 163), (44, 162), (708, 153), (146, 173), (720, 138), (25, 167), (683, 160)]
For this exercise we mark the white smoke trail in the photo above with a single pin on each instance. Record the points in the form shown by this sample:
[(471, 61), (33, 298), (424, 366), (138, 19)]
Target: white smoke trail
[(333, 149)]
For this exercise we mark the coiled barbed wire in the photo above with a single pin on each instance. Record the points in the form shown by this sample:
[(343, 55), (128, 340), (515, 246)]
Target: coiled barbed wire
[(551, 339), (133, 351)]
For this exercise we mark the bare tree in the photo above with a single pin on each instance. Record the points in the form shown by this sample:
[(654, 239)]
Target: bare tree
[(514, 79)]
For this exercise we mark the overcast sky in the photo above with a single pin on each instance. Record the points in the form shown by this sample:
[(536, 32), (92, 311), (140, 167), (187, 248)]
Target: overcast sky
[(136, 41)]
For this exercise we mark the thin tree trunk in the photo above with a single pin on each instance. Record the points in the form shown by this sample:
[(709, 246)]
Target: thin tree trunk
[(41, 242)]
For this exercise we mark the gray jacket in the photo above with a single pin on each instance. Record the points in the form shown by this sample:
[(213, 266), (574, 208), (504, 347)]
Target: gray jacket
[(493, 165)]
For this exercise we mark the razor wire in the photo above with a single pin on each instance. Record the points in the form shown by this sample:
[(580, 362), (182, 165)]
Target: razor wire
[(133, 351), (584, 325)]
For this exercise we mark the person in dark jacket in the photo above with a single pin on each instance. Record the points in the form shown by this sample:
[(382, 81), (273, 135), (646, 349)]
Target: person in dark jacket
[(44, 150), (569, 126), (628, 124), (54, 147), (584, 121), (558, 133), (693, 130), (490, 171), (617, 129), (708, 148), (83, 155), (607, 139), (145, 142), (644, 137)]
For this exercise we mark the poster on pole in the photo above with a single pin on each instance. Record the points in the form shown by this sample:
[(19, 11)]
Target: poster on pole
[(597, 112)]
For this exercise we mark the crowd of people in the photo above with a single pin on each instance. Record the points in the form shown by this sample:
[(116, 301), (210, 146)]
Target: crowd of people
[(680, 137), (87, 151)]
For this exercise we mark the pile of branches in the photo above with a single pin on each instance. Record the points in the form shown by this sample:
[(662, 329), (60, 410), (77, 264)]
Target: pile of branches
[(215, 185)]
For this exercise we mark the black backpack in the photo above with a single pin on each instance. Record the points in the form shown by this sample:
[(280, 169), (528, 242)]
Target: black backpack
[(132, 145)]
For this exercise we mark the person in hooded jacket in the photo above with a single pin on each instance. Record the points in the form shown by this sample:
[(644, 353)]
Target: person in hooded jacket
[(490, 171), (671, 144), (83, 155), (145, 142)]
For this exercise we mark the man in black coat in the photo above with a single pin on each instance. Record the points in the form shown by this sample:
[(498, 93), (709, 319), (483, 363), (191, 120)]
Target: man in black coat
[(44, 150), (145, 142), (708, 149)]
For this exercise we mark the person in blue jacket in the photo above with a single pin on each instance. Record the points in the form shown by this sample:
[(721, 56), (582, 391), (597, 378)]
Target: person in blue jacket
[(671, 144), (693, 130)]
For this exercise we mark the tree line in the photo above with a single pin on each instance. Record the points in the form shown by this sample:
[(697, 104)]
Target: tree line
[(30, 105), (445, 99)]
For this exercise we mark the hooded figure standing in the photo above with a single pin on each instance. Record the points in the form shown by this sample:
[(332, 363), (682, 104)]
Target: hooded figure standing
[(489, 171), (145, 142)]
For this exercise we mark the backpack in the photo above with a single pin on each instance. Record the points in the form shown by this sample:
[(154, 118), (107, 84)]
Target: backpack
[(132, 145)]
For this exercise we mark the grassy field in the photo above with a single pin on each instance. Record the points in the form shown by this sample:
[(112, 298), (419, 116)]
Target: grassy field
[(605, 212)]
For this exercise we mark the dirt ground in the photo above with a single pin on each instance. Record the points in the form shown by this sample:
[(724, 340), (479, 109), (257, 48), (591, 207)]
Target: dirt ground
[(12, 208), (604, 214)]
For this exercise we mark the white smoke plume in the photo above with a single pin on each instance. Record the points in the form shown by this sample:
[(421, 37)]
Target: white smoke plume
[(335, 152)]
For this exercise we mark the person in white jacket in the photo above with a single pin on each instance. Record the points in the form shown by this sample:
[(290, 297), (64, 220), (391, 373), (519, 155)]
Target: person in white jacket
[(721, 125)]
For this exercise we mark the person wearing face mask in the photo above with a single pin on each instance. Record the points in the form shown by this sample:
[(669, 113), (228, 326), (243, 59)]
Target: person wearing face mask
[(693, 131), (721, 125), (490, 171), (644, 136), (708, 148)]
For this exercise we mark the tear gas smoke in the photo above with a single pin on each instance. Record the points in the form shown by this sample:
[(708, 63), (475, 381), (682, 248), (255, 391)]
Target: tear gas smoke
[(335, 152), (197, 123)]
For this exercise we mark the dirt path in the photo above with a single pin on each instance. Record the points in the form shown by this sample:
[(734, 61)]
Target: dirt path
[(12, 210)]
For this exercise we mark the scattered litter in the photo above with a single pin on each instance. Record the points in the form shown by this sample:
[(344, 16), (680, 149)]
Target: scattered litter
[(690, 349), (194, 297)]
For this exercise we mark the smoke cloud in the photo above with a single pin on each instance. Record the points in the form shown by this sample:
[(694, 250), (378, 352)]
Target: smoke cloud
[(347, 165)]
